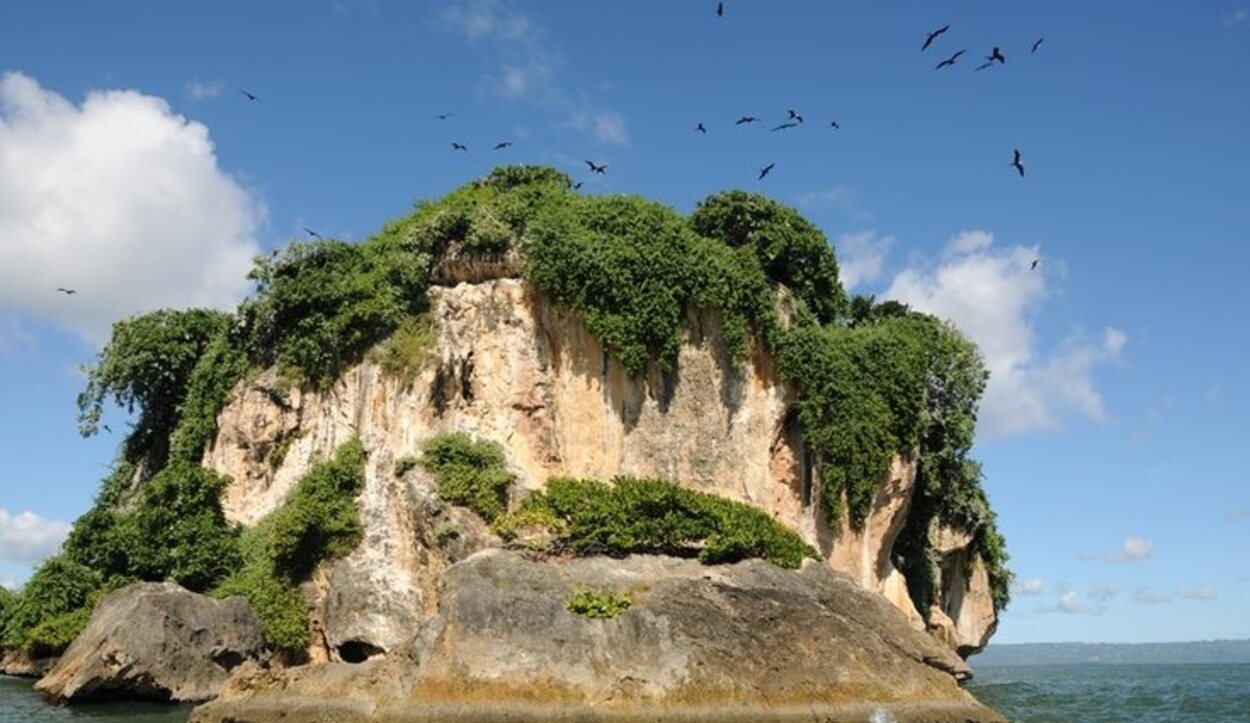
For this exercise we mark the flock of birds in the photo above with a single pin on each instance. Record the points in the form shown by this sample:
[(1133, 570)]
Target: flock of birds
[(793, 118)]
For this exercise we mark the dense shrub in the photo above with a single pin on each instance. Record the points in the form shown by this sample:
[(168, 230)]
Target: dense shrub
[(468, 472), (599, 604), (57, 588), (654, 516)]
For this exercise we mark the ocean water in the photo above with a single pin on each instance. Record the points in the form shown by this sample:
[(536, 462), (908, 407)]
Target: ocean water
[(20, 704), (1115, 693), (1027, 694)]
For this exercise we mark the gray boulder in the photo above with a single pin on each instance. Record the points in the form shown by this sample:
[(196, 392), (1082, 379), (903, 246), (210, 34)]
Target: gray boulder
[(156, 641), (747, 642)]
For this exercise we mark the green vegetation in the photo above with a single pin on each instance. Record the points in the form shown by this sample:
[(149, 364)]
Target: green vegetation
[(634, 515), (599, 604), (408, 349), (446, 531), (59, 587), (468, 472), (318, 521)]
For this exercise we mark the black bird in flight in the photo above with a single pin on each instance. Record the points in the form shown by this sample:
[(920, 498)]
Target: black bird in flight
[(105, 427), (784, 126), (601, 170), (996, 54), (720, 10), (1033, 266), (834, 123), (443, 116), (67, 292), (502, 145), (951, 60), (1016, 164), (764, 171), (1037, 45), (701, 128), (795, 116), (984, 65), (933, 36), (459, 146), (311, 232), (248, 95), (577, 186), (746, 119)]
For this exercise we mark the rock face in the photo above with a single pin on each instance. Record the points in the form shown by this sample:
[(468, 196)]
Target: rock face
[(156, 641), (22, 664), (513, 368), (736, 642)]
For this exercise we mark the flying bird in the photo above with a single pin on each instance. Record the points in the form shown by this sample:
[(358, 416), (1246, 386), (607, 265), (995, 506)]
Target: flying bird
[(502, 145), (105, 427), (311, 232), (795, 116), (444, 116), (577, 186), (933, 36), (951, 60), (985, 65), (459, 146), (1037, 45), (1016, 164), (249, 96), (996, 54), (720, 10), (701, 128), (746, 119), (784, 126), (1033, 266), (67, 292), (834, 123), (764, 171), (601, 169)]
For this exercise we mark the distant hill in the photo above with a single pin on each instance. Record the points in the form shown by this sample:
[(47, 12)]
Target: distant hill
[(1203, 651)]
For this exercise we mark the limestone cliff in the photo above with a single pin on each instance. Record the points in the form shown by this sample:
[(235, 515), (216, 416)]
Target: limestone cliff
[(510, 366)]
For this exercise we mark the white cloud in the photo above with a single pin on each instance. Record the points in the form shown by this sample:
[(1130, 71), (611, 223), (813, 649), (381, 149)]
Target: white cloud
[(26, 537), (1032, 586), (1146, 596), (993, 296), (861, 257), (197, 90), (528, 69), (1070, 603), (1133, 548), (120, 199), (1196, 593), (1102, 593)]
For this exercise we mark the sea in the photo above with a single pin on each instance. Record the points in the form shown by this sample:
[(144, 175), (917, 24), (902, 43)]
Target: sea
[(1029, 694)]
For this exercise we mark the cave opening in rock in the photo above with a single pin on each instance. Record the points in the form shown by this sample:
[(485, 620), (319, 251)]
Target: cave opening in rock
[(358, 651)]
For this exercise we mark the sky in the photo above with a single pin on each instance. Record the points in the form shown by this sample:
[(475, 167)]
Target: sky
[(134, 170)]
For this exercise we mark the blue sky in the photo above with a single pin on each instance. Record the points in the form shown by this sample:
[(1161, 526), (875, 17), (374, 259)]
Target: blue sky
[(133, 169)]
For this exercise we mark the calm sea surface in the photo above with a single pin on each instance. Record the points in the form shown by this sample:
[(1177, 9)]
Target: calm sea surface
[(1105, 693), (1032, 694)]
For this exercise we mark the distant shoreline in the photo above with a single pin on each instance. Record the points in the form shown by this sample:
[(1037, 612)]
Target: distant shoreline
[(1195, 652)]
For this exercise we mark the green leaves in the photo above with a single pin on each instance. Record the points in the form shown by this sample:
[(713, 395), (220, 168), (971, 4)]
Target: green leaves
[(468, 472), (599, 604)]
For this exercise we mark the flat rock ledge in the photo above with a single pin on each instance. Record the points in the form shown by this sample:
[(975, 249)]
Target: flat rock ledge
[(156, 641), (743, 642)]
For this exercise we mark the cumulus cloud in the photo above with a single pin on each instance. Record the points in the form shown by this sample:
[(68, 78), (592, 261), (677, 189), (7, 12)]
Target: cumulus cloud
[(861, 257), (120, 199), (1132, 549), (1102, 593), (1071, 603), (528, 69), (1032, 586), (199, 90), (1196, 593), (1146, 596), (993, 296), (26, 537)]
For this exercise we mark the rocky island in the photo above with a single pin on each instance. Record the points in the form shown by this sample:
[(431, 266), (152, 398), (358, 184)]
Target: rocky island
[(528, 454)]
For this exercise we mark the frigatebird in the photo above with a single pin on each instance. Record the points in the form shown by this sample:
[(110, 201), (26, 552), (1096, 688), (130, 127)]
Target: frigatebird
[(1016, 164), (764, 171), (601, 169), (951, 60), (933, 36)]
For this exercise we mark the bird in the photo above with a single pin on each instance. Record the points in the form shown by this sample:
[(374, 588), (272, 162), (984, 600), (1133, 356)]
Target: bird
[(443, 116), (746, 119), (1033, 266), (933, 36), (105, 427), (1015, 163), (459, 146), (67, 292), (701, 128), (502, 145), (764, 171), (784, 126), (1037, 45), (983, 66), (951, 60), (996, 54), (720, 10), (795, 116), (577, 186), (834, 123), (601, 169), (311, 232), (249, 96)]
